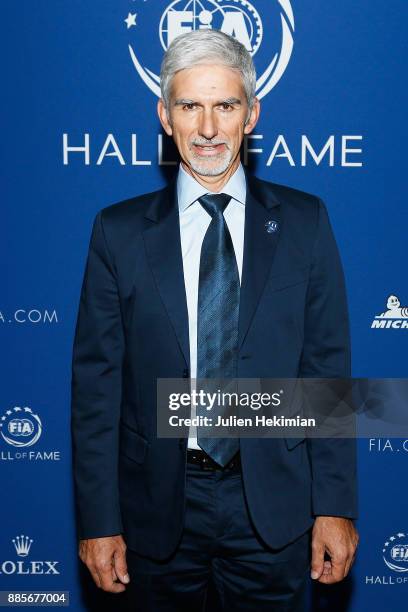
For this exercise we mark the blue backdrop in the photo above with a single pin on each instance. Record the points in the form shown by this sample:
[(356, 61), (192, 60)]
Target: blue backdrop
[(78, 75)]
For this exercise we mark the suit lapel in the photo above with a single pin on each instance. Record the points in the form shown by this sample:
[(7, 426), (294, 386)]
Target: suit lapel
[(163, 249), (261, 208)]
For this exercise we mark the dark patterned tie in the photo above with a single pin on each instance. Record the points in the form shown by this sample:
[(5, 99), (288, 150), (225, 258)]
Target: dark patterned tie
[(217, 315)]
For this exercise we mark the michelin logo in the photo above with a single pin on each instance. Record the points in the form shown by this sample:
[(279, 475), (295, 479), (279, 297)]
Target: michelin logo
[(395, 317)]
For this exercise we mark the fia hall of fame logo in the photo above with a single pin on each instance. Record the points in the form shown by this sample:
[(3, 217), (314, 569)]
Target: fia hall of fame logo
[(395, 552), (20, 426), (267, 34)]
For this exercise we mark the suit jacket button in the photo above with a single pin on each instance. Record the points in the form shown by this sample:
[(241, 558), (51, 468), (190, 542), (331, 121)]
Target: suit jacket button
[(185, 373)]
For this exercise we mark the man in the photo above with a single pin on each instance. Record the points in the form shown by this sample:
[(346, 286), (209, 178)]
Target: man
[(217, 274)]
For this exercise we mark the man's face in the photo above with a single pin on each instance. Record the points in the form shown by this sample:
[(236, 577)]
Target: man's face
[(206, 117)]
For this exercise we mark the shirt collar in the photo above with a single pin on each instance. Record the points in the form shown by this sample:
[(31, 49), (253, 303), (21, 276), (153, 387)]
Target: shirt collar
[(189, 190)]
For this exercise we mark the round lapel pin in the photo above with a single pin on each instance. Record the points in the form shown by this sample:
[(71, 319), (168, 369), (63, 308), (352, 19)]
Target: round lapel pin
[(271, 226)]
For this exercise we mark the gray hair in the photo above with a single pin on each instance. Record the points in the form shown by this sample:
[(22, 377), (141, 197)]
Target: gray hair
[(204, 47)]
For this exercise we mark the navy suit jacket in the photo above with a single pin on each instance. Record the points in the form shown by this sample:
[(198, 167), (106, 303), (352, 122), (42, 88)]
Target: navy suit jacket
[(132, 328)]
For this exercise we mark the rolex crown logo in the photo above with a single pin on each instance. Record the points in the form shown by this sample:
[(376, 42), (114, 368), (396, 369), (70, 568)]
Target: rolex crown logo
[(22, 544)]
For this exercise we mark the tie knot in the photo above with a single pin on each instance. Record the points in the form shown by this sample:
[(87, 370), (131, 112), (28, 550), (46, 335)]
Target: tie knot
[(214, 203)]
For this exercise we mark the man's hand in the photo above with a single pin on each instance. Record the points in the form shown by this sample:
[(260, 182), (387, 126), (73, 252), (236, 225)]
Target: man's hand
[(338, 538), (106, 560)]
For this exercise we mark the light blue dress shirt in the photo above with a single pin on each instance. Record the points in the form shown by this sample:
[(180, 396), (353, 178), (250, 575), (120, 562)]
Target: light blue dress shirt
[(194, 221)]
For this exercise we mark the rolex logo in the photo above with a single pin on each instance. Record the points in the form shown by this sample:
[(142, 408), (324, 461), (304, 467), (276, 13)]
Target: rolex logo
[(23, 567), (22, 544)]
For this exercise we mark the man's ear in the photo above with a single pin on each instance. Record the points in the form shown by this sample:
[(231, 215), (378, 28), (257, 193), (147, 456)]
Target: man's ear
[(253, 118), (164, 120)]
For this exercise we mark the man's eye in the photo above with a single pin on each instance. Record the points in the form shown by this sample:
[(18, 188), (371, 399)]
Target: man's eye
[(189, 105), (226, 106)]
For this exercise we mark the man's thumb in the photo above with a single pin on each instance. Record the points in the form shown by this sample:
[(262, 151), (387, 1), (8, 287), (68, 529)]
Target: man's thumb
[(317, 563), (121, 567)]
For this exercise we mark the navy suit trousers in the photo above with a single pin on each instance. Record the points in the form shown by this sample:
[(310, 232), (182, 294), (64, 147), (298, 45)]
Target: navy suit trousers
[(220, 546)]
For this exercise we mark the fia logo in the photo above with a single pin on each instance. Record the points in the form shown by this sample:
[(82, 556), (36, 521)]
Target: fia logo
[(395, 552), (20, 427), (268, 35)]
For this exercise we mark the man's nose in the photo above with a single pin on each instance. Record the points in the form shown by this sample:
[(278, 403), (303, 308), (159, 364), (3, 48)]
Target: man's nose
[(208, 125)]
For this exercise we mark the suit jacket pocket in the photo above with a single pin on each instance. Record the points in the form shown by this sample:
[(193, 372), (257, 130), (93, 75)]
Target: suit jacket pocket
[(288, 279), (292, 442), (132, 444)]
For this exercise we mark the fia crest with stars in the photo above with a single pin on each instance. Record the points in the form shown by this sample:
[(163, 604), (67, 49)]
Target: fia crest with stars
[(20, 427), (267, 32), (395, 552)]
